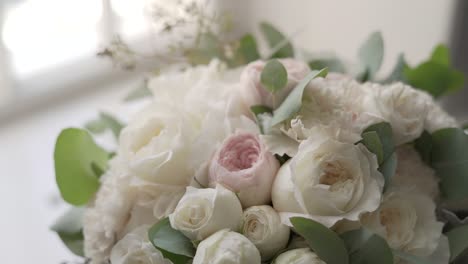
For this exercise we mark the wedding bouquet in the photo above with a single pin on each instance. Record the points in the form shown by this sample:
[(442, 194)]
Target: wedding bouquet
[(274, 159)]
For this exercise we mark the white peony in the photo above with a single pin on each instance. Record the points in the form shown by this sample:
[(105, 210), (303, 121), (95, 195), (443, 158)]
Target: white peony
[(226, 247), (328, 181), (254, 93), (412, 172), (202, 212), (404, 107), (135, 248), (407, 220), (262, 225), (298, 256)]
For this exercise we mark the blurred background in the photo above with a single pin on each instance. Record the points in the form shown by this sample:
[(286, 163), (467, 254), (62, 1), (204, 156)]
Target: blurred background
[(51, 78)]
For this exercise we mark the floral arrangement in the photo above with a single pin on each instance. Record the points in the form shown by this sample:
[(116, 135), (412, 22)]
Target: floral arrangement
[(274, 159)]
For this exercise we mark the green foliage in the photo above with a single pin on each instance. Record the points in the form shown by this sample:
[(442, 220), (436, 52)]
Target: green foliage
[(378, 139), (246, 51), (172, 243), (75, 155), (424, 146), (141, 91), (365, 247), (105, 122), (323, 241), (435, 75), (69, 228), (258, 111), (333, 64), (371, 55), (277, 41), (274, 76), (397, 74), (458, 241), (292, 104)]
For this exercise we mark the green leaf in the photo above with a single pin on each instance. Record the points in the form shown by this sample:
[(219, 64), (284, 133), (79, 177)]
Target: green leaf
[(75, 152), (274, 76), (397, 74), (292, 104), (371, 54), (449, 158), (372, 142), (367, 248), (69, 228), (434, 78), (172, 243), (260, 109), (441, 55), (424, 146), (208, 47), (140, 92), (388, 163), (277, 41), (248, 49), (458, 241), (323, 241), (103, 123), (333, 64)]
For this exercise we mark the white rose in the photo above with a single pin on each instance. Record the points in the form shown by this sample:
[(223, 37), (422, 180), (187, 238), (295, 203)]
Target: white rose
[(135, 248), (226, 247), (202, 212), (407, 220), (253, 91), (298, 256), (328, 181), (412, 172), (156, 145), (262, 225), (404, 107)]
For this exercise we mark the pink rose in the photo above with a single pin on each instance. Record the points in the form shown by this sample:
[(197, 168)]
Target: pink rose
[(253, 91), (243, 165)]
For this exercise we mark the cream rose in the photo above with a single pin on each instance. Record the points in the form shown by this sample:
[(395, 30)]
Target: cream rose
[(202, 212), (262, 225), (243, 165), (298, 256), (136, 248), (253, 91), (226, 247), (407, 220), (328, 181), (412, 172)]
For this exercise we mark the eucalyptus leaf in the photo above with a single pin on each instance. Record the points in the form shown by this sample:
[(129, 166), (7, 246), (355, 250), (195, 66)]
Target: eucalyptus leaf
[(277, 41), (141, 91), (323, 241), (441, 55), (262, 114), (274, 76), (371, 54), (69, 227), (365, 247), (105, 122), (75, 152), (333, 64), (458, 241), (424, 146), (449, 158), (397, 74), (260, 109), (247, 50), (372, 142), (172, 243), (292, 104)]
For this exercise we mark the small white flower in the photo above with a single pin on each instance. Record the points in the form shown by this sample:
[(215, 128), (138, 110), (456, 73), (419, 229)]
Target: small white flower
[(407, 220), (298, 256), (202, 212), (135, 248), (226, 247), (262, 225), (328, 181)]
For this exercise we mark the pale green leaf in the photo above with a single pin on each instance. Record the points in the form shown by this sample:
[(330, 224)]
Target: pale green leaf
[(75, 152), (333, 64), (172, 243), (274, 76), (277, 39), (367, 248), (292, 104), (397, 74), (372, 142), (371, 54), (323, 241), (458, 241), (141, 91), (441, 55), (69, 228)]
